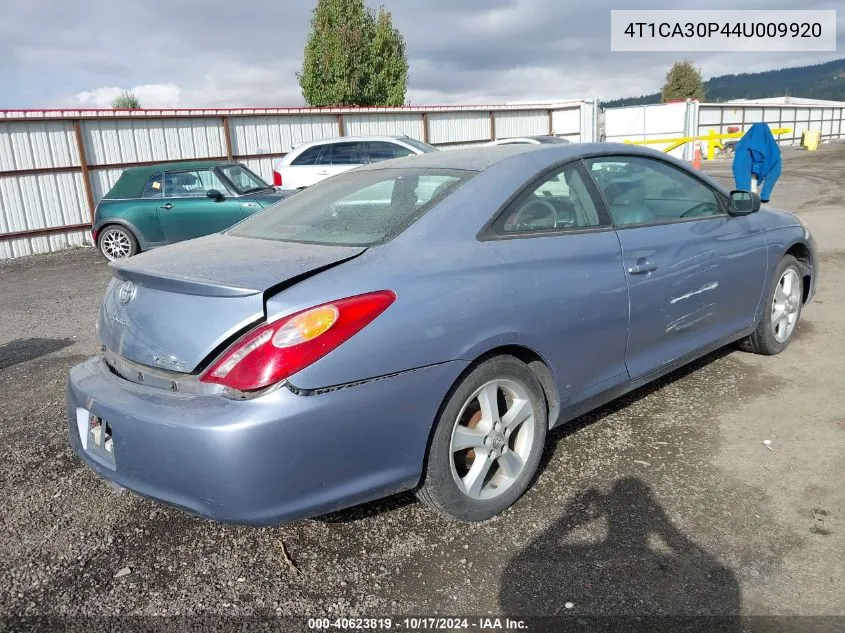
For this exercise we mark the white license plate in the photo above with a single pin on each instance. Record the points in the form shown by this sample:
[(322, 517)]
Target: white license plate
[(96, 437)]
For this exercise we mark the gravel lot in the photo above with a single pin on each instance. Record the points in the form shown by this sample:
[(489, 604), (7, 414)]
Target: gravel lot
[(667, 501)]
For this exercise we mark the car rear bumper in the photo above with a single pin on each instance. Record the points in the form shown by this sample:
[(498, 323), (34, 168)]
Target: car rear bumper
[(276, 458)]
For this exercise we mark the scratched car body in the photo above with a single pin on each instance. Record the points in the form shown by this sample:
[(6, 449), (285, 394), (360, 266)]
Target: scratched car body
[(422, 323)]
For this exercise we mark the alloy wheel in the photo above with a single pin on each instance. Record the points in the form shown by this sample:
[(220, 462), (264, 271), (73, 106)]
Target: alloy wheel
[(115, 244), (786, 303), (492, 439)]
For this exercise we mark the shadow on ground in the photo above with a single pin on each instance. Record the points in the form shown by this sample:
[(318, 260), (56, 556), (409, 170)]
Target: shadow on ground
[(26, 349), (614, 557)]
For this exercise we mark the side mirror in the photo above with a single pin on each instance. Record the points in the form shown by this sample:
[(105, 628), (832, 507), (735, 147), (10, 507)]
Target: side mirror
[(744, 202), (214, 195)]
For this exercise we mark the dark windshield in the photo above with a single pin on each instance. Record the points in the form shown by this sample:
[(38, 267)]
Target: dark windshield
[(423, 147), (357, 208)]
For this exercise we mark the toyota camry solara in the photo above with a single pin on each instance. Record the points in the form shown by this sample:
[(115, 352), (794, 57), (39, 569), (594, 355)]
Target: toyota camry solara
[(422, 323)]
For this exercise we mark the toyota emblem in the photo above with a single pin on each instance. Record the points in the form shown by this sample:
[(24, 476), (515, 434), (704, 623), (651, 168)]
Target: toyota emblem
[(127, 292)]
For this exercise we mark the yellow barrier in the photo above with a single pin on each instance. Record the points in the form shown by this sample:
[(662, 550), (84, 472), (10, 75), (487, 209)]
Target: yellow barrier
[(713, 140)]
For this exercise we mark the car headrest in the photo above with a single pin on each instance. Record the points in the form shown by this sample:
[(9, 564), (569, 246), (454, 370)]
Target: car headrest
[(632, 195)]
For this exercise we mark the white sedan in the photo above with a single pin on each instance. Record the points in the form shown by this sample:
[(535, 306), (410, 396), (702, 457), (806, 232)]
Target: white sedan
[(311, 162)]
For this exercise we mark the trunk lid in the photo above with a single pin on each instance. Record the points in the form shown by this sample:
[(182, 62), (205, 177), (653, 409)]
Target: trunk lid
[(172, 307)]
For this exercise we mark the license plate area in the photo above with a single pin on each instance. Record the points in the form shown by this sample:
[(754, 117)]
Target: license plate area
[(96, 436)]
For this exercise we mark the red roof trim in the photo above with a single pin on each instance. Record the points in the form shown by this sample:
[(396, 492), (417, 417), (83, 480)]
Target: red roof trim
[(303, 109)]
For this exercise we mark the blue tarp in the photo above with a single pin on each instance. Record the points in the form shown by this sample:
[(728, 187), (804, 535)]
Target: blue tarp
[(757, 153)]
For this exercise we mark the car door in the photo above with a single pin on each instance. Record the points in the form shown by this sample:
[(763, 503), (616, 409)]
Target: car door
[(302, 171), (144, 211), (563, 255), (337, 158), (377, 151), (695, 274), (186, 211)]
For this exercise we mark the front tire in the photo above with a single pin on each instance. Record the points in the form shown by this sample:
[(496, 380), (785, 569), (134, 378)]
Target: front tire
[(487, 442), (116, 242), (784, 301)]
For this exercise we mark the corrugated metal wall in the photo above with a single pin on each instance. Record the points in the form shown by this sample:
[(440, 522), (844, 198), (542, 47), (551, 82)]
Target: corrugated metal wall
[(640, 123), (278, 134), (675, 120), (800, 118), (41, 174), (146, 140), (42, 186)]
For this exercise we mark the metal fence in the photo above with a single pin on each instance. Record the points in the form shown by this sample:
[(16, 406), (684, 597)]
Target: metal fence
[(55, 165), (642, 123), (827, 119), (685, 119)]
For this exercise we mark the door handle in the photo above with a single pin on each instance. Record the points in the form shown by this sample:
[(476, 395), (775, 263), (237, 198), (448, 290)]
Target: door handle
[(167, 206), (323, 173), (642, 267)]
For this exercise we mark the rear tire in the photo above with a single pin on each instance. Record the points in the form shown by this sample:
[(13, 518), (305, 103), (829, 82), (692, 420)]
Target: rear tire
[(116, 242), (781, 311), (487, 442)]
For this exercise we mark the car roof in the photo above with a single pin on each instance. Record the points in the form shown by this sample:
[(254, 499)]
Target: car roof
[(348, 139), (534, 137), (472, 158), (484, 156), (132, 180)]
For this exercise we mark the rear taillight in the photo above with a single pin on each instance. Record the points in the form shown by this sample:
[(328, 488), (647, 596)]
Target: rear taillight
[(273, 351), (277, 179), (94, 234)]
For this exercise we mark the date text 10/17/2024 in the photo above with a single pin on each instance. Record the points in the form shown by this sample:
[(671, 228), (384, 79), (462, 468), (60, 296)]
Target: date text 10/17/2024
[(418, 624)]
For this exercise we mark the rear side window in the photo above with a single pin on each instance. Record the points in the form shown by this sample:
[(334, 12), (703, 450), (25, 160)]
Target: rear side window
[(153, 188), (380, 150), (561, 201), (354, 208), (344, 154), (309, 156)]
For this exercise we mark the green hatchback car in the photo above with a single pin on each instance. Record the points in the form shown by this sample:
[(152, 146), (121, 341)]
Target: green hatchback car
[(161, 204)]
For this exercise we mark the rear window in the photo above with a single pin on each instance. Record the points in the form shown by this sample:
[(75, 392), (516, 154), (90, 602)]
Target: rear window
[(358, 208), (425, 148)]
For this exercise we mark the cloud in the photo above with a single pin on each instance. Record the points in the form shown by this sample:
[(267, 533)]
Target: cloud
[(213, 53), (150, 96)]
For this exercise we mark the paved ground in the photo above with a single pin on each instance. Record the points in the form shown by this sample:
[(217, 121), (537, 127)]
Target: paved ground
[(666, 501)]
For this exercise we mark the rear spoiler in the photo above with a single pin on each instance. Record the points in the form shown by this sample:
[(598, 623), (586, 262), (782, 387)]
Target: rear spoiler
[(183, 284)]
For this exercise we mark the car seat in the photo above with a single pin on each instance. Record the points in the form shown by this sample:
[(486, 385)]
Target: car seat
[(627, 204)]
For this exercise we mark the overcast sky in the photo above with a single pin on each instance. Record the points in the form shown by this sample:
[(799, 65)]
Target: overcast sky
[(221, 53)]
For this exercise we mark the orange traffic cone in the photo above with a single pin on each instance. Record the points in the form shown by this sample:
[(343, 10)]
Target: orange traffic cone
[(696, 157)]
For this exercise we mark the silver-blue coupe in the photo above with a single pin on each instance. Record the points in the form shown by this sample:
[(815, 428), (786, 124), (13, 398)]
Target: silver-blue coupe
[(422, 323)]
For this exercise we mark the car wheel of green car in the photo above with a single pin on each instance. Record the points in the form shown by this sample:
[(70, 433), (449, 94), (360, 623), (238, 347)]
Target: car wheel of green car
[(116, 242)]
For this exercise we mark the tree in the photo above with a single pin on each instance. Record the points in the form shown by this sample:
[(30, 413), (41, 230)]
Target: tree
[(126, 100), (683, 81), (353, 56), (389, 65)]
